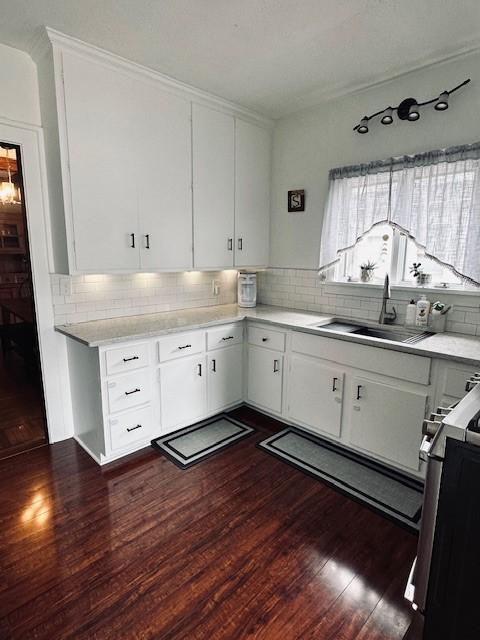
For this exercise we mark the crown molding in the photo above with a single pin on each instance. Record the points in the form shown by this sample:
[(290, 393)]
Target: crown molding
[(316, 98), (48, 38)]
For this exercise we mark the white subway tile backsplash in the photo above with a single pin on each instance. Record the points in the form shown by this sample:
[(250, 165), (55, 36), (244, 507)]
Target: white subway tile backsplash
[(293, 288), (95, 297)]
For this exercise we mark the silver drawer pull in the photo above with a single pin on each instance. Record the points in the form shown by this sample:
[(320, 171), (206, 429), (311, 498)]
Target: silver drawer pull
[(228, 338), (132, 358), (129, 393), (139, 426), (186, 346)]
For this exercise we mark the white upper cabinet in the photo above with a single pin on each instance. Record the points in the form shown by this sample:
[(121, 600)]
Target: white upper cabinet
[(164, 165), (213, 187), (130, 170), (102, 152), (147, 174), (252, 194)]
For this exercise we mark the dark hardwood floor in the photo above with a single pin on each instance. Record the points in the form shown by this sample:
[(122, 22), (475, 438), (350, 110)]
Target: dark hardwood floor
[(22, 421), (239, 546)]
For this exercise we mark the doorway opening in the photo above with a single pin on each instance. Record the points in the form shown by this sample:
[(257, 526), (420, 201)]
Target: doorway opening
[(22, 404)]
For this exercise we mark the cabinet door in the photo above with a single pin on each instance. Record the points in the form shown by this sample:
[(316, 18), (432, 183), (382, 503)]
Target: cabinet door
[(252, 194), (213, 187), (387, 420), (163, 160), (182, 393), (315, 394), (99, 106), (225, 377), (265, 372)]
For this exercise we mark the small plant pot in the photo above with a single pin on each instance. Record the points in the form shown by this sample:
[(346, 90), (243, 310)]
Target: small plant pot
[(366, 275), (424, 279)]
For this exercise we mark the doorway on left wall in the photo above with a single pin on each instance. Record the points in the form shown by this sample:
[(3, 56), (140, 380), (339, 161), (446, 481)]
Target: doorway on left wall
[(22, 405)]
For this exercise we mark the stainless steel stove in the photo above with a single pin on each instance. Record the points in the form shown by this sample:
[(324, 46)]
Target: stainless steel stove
[(450, 523)]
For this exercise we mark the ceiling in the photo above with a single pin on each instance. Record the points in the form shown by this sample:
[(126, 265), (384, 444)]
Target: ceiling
[(274, 56)]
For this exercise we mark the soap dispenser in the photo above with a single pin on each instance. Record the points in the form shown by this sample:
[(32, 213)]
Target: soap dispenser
[(423, 309), (411, 314)]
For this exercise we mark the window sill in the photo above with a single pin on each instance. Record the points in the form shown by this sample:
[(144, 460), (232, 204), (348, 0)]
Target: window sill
[(376, 289)]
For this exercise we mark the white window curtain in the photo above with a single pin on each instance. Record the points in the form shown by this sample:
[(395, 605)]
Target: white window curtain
[(433, 197)]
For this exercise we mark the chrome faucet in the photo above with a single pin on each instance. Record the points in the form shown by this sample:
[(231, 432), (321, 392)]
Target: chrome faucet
[(387, 317)]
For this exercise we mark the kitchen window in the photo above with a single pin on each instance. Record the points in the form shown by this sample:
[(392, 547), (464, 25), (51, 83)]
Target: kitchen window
[(414, 209)]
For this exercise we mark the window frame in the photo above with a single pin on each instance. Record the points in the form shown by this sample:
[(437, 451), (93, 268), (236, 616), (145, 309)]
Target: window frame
[(396, 270)]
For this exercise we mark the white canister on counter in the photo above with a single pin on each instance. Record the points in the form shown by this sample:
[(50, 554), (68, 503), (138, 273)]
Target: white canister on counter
[(423, 309), (438, 317), (411, 314)]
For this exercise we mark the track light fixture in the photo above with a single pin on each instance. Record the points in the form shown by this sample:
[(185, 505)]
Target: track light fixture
[(363, 126), (442, 102), (408, 109), (388, 116)]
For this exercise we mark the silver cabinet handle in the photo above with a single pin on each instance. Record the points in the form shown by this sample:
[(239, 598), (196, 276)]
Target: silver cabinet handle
[(359, 386), (240, 244), (230, 244), (199, 369), (139, 426), (214, 365), (276, 366), (147, 241), (425, 447), (130, 359), (334, 384), (132, 241), (185, 346), (129, 393)]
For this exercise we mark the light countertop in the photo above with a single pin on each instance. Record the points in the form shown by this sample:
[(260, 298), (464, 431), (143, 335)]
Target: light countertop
[(98, 333)]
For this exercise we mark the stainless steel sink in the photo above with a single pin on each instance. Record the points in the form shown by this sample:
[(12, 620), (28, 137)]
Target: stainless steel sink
[(382, 333)]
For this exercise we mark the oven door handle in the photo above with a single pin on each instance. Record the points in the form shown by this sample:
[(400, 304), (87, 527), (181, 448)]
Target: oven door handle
[(410, 588), (425, 447)]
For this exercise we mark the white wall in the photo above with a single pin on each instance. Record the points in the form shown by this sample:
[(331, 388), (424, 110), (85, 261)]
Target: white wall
[(19, 87), (307, 144)]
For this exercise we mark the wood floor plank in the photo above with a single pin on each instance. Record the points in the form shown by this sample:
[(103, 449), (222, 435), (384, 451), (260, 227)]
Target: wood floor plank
[(239, 546)]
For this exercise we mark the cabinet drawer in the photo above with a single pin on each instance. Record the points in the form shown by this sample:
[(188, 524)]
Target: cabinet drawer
[(266, 338), (181, 344), (123, 359), (128, 391), (224, 336), (131, 427), (404, 366)]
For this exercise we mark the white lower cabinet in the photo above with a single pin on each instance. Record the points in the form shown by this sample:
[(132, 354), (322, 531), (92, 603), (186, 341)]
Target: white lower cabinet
[(265, 377), (315, 393), (130, 427), (385, 420), (368, 399), (225, 377), (183, 392)]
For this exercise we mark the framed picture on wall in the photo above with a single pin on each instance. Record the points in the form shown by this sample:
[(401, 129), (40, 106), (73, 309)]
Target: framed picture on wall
[(296, 200)]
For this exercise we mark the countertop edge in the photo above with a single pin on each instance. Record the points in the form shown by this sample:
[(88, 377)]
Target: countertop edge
[(298, 327)]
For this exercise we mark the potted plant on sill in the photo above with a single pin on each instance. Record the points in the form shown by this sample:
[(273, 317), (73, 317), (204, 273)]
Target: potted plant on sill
[(367, 270), (423, 279)]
